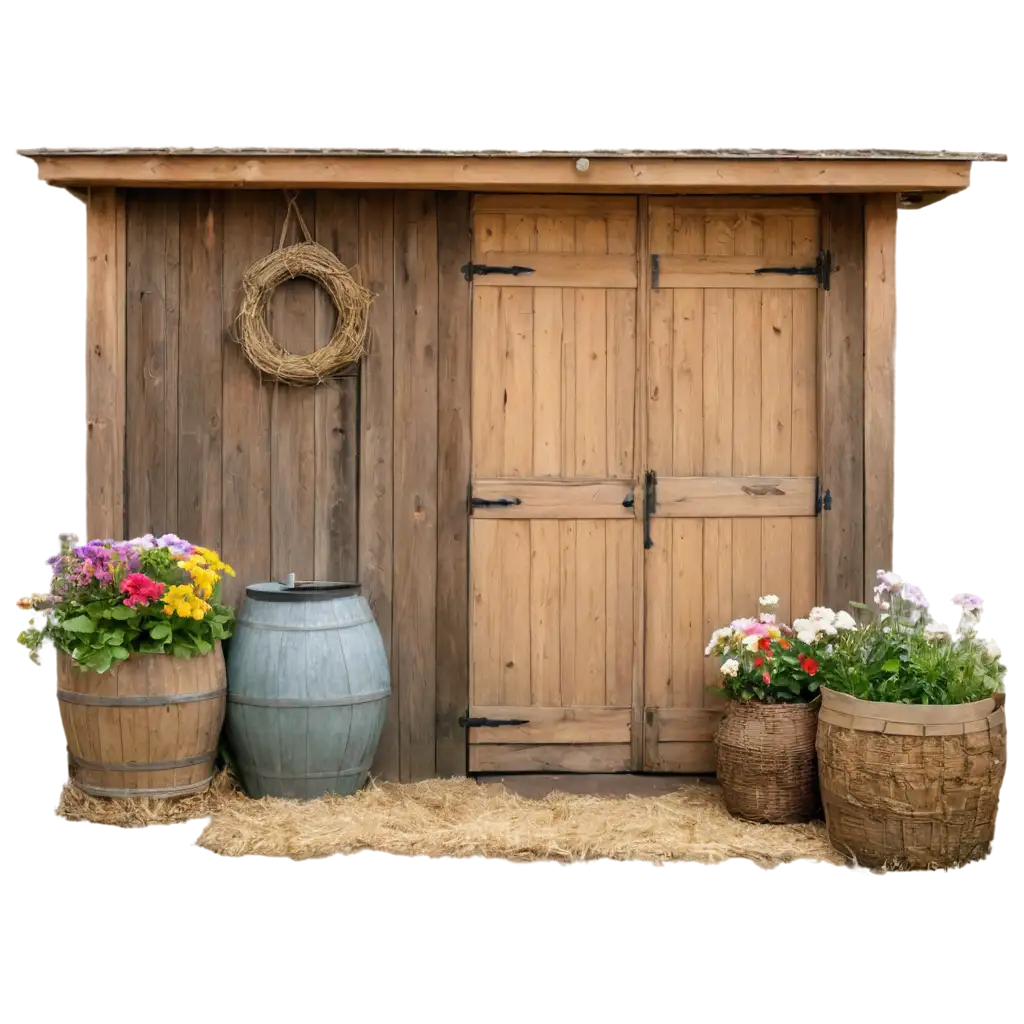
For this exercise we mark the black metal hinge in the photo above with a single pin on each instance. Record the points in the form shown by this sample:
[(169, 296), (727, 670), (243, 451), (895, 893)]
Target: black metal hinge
[(821, 271), (655, 269), (822, 502), (494, 502), (650, 504), (471, 270), (490, 723)]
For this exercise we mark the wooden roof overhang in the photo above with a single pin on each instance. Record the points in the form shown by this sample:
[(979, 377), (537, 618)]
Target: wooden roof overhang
[(918, 177)]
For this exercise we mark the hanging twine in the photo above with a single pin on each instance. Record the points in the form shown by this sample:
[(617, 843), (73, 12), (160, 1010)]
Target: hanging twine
[(351, 300)]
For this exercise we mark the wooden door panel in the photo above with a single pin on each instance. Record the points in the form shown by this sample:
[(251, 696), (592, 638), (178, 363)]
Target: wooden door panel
[(732, 414), (553, 533)]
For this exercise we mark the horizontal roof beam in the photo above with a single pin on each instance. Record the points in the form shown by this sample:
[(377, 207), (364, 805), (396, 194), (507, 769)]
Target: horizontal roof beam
[(505, 173)]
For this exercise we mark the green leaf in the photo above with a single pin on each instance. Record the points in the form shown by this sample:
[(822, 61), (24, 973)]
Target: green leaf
[(891, 666), (160, 630), (115, 638), (152, 646), (119, 653), (120, 612), (181, 651), (747, 694), (79, 624), (202, 646)]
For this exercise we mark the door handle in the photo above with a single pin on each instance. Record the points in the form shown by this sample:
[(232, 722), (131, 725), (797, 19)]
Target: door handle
[(650, 504)]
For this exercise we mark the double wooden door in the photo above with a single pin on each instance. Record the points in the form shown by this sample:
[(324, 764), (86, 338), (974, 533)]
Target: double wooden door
[(644, 435)]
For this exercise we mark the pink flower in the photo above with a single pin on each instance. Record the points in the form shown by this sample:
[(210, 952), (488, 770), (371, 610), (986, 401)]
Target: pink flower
[(140, 589), (767, 679), (969, 602)]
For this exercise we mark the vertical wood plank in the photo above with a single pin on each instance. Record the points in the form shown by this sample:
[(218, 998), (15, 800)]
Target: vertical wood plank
[(658, 384), (376, 464), (105, 362), (486, 608), (619, 629), (643, 306), (200, 360), (517, 374), (290, 317), (545, 649), (414, 656), (591, 568), (248, 231), (752, 238), (879, 382), (804, 459), (718, 356), (842, 404), (567, 583), (152, 360), (453, 431), (717, 589), (335, 409), (687, 613), (515, 605)]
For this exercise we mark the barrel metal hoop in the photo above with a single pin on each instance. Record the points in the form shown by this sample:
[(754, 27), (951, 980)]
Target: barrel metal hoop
[(277, 628), (298, 702), (136, 700), (305, 775), (146, 766), (160, 791)]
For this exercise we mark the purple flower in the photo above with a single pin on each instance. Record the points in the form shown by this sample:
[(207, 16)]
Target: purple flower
[(914, 595), (174, 544), (969, 602)]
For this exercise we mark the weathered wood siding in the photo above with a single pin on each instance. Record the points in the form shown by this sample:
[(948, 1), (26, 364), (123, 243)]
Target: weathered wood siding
[(271, 475)]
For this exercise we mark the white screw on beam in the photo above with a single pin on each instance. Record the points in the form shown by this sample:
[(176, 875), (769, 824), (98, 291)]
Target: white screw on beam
[(583, 164)]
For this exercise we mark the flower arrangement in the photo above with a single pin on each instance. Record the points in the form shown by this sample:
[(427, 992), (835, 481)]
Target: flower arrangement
[(111, 599), (903, 656), (771, 662)]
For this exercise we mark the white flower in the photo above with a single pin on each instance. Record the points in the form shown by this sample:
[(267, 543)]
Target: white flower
[(751, 642), (730, 668), (768, 601), (936, 631), (823, 615), (768, 618), (844, 620), (808, 636), (889, 581), (801, 625), (992, 649)]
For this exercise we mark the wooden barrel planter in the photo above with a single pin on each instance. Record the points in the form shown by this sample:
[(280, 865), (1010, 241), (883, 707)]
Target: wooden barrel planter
[(308, 688), (147, 727), (765, 761), (910, 786)]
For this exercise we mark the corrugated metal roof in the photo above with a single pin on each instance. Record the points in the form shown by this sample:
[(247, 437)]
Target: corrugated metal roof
[(674, 154)]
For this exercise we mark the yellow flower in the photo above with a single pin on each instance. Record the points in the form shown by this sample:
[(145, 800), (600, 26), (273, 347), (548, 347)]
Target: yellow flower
[(212, 559), (203, 577), (182, 600)]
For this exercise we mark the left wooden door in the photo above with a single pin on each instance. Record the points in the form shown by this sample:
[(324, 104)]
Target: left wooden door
[(554, 538)]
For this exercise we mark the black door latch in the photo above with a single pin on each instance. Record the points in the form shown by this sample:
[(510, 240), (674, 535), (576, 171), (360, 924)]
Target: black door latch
[(821, 270), (489, 723), (471, 270)]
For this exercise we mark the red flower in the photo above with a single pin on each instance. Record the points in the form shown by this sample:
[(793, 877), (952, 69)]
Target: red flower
[(764, 644), (809, 665), (767, 679), (758, 662), (140, 589)]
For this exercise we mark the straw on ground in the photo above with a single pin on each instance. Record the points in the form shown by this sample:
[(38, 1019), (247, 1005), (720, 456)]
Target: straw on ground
[(459, 818)]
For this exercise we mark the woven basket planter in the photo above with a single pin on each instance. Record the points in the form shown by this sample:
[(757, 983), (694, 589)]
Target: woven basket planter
[(765, 761), (910, 786)]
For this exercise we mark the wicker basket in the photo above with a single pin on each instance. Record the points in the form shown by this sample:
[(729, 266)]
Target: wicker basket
[(910, 786), (765, 761)]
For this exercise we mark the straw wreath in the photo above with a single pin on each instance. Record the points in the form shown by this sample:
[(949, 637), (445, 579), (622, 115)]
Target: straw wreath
[(351, 300)]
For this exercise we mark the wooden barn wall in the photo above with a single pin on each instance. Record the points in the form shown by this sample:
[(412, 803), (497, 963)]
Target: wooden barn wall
[(271, 475)]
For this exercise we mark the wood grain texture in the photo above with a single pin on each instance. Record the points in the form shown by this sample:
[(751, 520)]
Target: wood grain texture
[(290, 317), (152, 358), (553, 757), (336, 410), (453, 458), (105, 362), (735, 496), (842, 405), (553, 725), (377, 454), (248, 228), (879, 382), (414, 639), (542, 173), (120, 746), (553, 499), (200, 360)]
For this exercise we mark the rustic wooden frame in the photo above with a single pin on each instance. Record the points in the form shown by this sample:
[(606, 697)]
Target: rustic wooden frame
[(639, 174), (420, 359)]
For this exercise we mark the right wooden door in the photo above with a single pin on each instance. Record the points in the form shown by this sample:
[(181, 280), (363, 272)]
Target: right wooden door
[(731, 425)]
